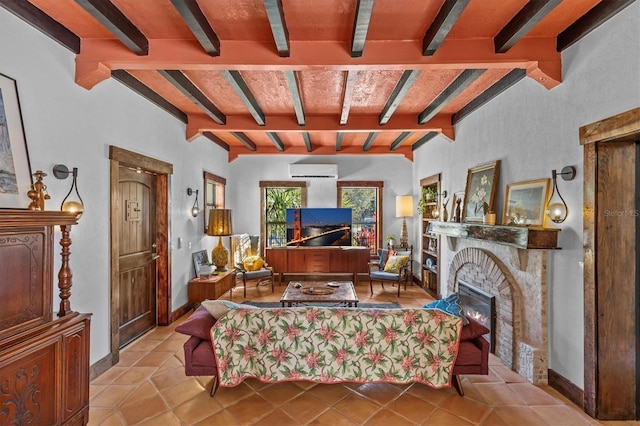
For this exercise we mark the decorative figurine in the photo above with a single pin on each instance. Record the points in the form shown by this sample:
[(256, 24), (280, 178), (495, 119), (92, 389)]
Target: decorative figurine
[(38, 192), (458, 217)]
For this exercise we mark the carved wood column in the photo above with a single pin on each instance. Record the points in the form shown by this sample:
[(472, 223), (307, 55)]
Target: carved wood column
[(65, 275)]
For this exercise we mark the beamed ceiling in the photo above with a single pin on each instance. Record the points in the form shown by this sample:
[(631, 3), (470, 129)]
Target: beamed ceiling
[(317, 76)]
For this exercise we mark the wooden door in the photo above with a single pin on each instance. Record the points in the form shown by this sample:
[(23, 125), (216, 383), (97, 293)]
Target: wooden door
[(617, 281), (137, 253)]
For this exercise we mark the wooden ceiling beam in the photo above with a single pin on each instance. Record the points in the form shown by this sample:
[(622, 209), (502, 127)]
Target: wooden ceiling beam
[(347, 95), (294, 89), (307, 141), (423, 139), (134, 84), (399, 92), (239, 86), (187, 88), (43, 22), (361, 22), (500, 86), (275, 13), (591, 20), (276, 141), (463, 81), (198, 24), (245, 140), (115, 21), (215, 139), (369, 141), (399, 140), (527, 18), (441, 25), (339, 137), (237, 151)]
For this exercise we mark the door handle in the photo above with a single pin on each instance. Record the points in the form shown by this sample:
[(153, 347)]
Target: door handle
[(155, 257)]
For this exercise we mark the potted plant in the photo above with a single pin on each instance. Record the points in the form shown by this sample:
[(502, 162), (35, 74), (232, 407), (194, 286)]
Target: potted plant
[(429, 195), (489, 217), (391, 240)]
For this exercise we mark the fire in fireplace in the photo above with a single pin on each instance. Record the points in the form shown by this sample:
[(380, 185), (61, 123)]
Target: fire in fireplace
[(480, 306)]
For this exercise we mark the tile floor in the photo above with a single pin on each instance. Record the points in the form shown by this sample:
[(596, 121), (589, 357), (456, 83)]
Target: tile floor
[(148, 387)]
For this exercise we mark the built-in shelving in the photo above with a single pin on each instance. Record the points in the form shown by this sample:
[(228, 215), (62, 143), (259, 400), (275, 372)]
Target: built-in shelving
[(430, 258)]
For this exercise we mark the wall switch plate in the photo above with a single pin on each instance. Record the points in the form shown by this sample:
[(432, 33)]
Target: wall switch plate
[(189, 245), (179, 242)]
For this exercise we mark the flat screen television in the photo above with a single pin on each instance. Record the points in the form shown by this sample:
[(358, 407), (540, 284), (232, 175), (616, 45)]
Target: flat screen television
[(319, 227)]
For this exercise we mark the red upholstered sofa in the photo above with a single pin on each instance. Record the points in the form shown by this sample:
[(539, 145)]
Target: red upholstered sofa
[(473, 354)]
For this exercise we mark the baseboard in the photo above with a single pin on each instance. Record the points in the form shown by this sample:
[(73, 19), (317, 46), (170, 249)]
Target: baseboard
[(566, 388), (100, 366), (181, 311)]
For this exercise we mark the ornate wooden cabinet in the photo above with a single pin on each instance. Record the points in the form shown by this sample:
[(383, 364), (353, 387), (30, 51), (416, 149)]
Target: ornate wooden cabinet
[(44, 357)]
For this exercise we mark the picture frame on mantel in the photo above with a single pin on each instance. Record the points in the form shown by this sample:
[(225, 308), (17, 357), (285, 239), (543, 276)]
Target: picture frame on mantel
[(482, 183), (15, 170), (524, 203)]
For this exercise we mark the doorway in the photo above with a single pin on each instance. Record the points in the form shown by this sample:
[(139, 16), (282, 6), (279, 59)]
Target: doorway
[(611, 278), (140, 280)]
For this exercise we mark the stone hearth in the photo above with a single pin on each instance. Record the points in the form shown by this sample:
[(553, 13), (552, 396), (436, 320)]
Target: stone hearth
[(521, 300)]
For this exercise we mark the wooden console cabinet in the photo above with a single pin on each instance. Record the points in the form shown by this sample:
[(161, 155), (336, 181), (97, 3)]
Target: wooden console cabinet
[(200, 289), (44, 357), (318, 260)]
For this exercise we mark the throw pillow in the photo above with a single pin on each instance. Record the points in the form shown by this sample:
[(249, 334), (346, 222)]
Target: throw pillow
[(198, 324), (450, 305), (253, 263), (472, 330), (218, 308), (384, 257), (395, 263)]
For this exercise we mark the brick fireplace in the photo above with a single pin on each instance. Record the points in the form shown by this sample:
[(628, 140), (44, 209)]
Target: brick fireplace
[(518, 280)]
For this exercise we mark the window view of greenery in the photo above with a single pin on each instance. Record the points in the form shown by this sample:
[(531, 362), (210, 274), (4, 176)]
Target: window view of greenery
[(364, 205), (278, 200)]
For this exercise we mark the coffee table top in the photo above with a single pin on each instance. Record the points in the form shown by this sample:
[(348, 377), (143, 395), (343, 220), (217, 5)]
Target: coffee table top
[(343, 292)]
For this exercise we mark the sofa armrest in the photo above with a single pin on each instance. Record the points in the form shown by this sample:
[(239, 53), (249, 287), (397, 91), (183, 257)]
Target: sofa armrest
[(189, 346), (483, 344)]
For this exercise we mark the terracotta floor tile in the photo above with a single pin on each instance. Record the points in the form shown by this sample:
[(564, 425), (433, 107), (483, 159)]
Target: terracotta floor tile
[(304, 408), (109, 376), (467, 409), (276, 417), (412, 407), (183, 392), (493, 419), (169, 345), (386, 418), (444, 418), (499, 394), (229, 396), (97, 415), (135, 375), (562, 415), (427, 393), (143, 345), (129, 358), (507, 375), (153, 359), (143, 409), (532, 395), (112, 396), (518, 415), (223, 418), (114, 420), (332, 417), (382, 393), (145, 390), (279, 393), (330, 394), (357, 408), (164, 419), (197, 408), (170, 378), (251, 409)]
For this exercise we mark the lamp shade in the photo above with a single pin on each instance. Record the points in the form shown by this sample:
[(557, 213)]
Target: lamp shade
[(219, 222), (404, 205)]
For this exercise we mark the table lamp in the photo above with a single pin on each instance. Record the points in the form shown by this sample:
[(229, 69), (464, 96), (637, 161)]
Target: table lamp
[(404, 209), (219, 226)]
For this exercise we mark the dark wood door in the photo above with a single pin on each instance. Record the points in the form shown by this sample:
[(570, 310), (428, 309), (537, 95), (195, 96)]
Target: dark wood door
[(617, 281), (137, 253)]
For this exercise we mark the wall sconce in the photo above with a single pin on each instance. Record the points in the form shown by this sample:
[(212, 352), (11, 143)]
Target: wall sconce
[(195, 210), (557, 209), (404, 209), (73, 204)]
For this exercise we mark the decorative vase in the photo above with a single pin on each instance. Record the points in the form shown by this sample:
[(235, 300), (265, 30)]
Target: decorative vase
[(489, 219)]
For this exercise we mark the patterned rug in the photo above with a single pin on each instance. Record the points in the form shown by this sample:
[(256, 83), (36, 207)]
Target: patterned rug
[(390, 305)]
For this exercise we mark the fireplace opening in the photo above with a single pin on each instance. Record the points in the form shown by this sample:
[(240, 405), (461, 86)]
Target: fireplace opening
[(481, 306)]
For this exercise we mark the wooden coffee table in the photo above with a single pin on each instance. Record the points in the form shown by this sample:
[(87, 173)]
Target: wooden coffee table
[(339, 293)]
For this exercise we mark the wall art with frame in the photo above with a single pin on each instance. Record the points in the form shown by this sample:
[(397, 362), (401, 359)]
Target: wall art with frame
[(15, 170), (482, 182), (524, 203)]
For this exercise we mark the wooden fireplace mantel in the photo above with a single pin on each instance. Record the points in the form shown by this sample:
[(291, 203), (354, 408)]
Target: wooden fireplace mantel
[(520, 237)]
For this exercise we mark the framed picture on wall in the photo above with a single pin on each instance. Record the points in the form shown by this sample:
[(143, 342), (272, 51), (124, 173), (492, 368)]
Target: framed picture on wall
[(15, 170), (482, 182), (524, 203)]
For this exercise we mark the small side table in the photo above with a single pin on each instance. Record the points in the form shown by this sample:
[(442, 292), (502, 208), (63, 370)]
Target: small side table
[(213, 287)]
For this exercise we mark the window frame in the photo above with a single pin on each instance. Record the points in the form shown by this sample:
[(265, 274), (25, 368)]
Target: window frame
[(379, 185), (215, 185)]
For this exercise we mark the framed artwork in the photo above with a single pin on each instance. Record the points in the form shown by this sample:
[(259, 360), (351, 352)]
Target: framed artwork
[(524, 203), (482, 182), (199, 258), (15, 170)]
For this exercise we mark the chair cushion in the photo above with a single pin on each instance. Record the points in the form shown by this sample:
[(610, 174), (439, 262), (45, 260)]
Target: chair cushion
[(253, 263), (262, 273), (198, 324), (395, 263), (381, 275)]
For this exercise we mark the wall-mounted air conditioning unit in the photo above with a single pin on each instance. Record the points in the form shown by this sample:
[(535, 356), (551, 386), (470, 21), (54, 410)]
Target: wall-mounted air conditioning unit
[(313, 171)]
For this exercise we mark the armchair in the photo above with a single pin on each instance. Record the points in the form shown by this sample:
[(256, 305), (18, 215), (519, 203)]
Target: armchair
[(395, 267), (249, 265)]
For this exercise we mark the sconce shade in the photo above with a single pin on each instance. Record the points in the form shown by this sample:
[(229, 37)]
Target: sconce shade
[(557, 209), (195, 210), (404, 205), (72, 202), (219, 225)]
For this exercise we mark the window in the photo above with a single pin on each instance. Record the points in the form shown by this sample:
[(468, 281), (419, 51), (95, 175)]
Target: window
[(213, 195), (365, 200), (276, 197)]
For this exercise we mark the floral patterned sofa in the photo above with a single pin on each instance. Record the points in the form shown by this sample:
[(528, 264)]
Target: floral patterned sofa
[(331, 345)]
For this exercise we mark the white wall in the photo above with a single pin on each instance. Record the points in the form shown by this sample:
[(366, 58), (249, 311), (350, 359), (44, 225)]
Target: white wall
[(64, 123), (247, 171), (533, 130)]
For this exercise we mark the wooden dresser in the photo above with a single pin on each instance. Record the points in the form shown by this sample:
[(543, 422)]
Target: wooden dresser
[(44, 356)]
